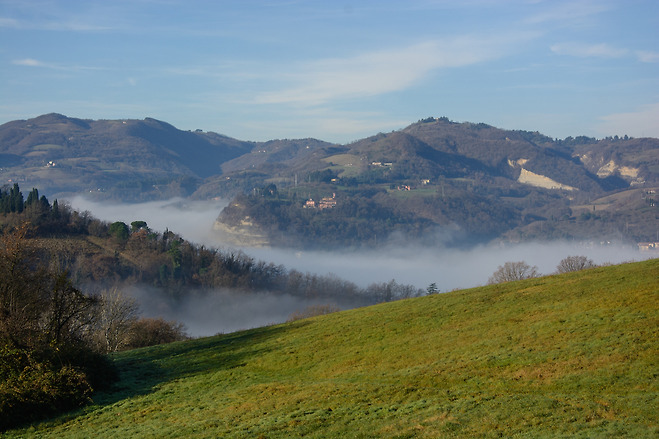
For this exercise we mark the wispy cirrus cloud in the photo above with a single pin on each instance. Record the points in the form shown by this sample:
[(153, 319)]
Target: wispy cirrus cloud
[(589, 50), (640, 123), (378, 72), (73, 25), (31, 62), (28, 62), (336, 125), (602, 50), (647, 56), (9, 23), (567, 12)]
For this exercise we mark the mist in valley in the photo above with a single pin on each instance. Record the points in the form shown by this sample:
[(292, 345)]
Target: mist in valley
[(211, 312)]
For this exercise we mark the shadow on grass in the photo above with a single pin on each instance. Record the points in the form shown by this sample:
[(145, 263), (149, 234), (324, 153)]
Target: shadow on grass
[(141, 370)]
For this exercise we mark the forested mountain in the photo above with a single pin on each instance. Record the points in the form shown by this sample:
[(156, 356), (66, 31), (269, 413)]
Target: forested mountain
[(462, 183)]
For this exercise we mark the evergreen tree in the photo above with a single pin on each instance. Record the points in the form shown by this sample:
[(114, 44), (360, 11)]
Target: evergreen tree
[(16, 199), (55, 211), (32, 197), (45, 205)]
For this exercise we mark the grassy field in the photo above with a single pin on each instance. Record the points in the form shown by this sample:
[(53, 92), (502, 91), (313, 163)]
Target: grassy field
[(575, 355), (347, 165)]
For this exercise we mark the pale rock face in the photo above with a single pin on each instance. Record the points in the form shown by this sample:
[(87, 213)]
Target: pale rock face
[(244, 234), (519, 162), (537, 180), (611, 168)]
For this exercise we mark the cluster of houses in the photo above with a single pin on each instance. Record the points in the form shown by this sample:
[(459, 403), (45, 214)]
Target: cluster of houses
[(648, 246), (324, 203), (407, 187)]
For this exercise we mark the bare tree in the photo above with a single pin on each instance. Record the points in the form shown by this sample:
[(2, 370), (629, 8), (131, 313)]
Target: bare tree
[(118, 314), (23, 290), (511, 271), (68, 312), (574, 263)]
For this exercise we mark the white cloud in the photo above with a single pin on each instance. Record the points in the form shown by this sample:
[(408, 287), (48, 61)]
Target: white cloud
[(589, 50), (647, 56), (640, 123), (379, 72), (9, 22), (29, 62), (568, 12), (602, 50), (326, 124)]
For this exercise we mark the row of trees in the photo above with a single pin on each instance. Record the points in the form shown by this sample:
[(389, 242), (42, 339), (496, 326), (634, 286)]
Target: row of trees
[(167, 261), (12, 201), (132, 253), (512, 271)]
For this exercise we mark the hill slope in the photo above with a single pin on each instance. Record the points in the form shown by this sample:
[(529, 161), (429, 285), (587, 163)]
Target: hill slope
[(468, 183), (572, 355), (62, 154)]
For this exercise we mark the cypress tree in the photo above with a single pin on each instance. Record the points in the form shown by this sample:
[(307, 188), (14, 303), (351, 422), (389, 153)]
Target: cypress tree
[(16, 199)]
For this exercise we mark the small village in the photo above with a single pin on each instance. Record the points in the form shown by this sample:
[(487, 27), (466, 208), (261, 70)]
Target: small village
[(648, 246), (324, 203)]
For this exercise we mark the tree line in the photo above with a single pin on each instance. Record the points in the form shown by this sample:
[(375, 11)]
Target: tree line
[(520, 270), (134, 254)]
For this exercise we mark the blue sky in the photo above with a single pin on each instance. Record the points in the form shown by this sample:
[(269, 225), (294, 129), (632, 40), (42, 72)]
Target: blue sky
[(336, 70)]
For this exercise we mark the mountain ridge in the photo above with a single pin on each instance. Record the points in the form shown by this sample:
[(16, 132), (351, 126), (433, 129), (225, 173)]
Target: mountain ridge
[(438, 164)]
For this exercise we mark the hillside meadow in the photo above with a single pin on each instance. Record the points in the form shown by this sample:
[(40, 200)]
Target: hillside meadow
[(574, 355)]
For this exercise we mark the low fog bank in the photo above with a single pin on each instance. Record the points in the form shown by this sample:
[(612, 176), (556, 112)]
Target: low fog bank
[(449, 269), (211, 312), (408, 264), (191, 219)]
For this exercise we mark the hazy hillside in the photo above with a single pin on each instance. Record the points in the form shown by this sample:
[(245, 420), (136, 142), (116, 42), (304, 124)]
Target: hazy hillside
[(507, 151), (478, 182), (59, 153), (128, 159), (633, 160), (559, 356), (469, 183)]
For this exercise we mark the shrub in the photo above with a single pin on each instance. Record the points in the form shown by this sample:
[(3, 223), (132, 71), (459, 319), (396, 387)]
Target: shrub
[(39, 390), (574, 263), (150, 332), (511, 271)]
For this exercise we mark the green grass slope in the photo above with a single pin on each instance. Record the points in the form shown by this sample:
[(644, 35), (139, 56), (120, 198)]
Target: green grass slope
[(575, 355)]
